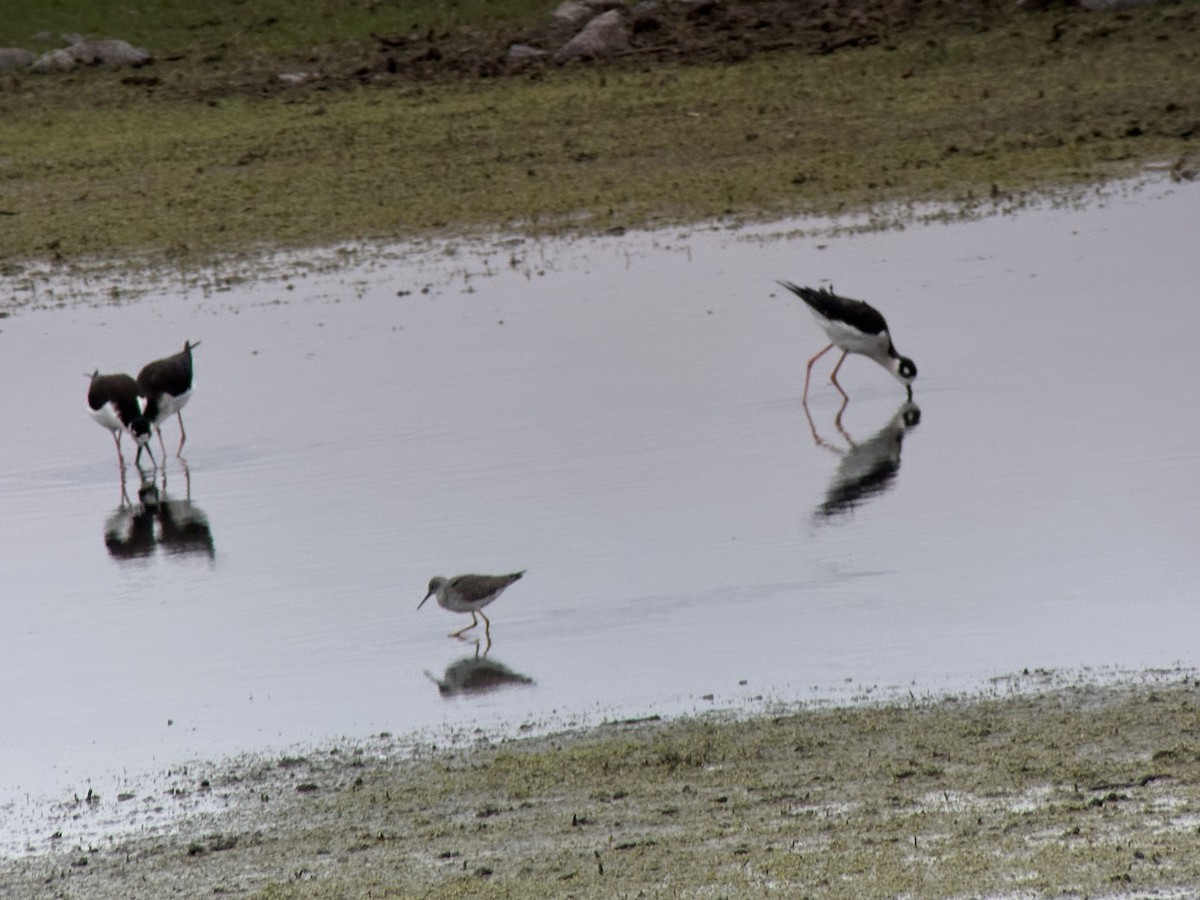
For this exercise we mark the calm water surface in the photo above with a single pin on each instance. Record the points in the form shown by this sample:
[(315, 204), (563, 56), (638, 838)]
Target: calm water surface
[(622, 418)]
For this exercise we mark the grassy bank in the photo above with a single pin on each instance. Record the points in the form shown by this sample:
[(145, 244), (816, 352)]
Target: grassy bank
[(191, 157), (1082, 791)]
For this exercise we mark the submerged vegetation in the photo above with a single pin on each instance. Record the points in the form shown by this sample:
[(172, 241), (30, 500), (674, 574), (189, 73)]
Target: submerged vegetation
[(207, 151)]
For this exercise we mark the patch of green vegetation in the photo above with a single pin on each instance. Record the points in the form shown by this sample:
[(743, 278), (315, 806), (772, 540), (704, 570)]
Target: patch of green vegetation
[(100, 165), (1053, 794)]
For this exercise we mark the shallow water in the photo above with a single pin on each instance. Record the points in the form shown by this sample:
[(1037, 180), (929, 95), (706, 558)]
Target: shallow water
[(621, 417)]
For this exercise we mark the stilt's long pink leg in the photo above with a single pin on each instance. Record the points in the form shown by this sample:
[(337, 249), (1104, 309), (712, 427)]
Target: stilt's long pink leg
[(833, 377), (808, 371)]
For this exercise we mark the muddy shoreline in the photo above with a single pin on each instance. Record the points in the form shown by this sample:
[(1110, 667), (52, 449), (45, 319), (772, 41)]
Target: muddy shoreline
[(1035, 788)]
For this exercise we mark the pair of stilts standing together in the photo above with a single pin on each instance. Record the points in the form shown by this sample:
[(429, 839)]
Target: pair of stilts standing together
[(123, 404), (854, 326)]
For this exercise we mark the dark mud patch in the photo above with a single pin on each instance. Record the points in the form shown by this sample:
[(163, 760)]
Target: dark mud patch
[(694, 33), (680, 32)]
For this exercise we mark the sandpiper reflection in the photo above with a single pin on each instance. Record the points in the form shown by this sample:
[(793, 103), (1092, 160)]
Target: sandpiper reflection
[(157, 520), (868, 468), (476, 674)]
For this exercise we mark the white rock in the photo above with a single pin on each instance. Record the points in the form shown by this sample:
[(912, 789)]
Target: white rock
[(91, 53), (109, 53), (577, 12), (54, 61), (602, 36), (15, 58), (524, 51)]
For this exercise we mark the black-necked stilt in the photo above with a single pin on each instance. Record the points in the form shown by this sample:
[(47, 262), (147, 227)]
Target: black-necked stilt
[(167, 384), (855, 327), (117, 403), (469, 593)]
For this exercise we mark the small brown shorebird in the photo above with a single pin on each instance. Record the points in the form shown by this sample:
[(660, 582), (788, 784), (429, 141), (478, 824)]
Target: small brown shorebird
[(854, 327), (469, 593), (116, 403), (167, 385)]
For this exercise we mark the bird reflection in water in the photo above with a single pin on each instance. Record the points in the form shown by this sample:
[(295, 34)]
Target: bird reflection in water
[(129, 531), (137, 528), (868, 468), (476, 675)]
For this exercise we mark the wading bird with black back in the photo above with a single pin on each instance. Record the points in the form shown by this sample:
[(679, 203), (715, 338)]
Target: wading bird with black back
[(853, 326), (167, 385), (469, 594), (116, 403)]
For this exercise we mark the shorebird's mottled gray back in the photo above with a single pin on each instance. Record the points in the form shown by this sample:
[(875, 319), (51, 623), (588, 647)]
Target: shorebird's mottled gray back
[(479, 589), (468, 593)]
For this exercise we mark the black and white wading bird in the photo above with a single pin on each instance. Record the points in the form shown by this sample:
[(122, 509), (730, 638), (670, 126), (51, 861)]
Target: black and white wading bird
[(116, 403), (469, 594), (854, 327), (167, 385)]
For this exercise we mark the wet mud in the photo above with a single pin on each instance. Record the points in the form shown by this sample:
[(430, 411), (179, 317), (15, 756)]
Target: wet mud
[(1034, 789)]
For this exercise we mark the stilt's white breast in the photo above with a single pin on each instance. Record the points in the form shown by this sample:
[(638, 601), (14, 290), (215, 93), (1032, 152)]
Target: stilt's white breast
[(853, 340), (169, 406), (107, 416)]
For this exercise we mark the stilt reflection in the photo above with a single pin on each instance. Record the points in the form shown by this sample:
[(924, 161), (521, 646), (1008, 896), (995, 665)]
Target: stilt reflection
[(868, 468), (129, 530), (137, 528)]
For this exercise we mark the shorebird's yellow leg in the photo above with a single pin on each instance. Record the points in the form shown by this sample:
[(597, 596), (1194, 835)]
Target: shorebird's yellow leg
[(459, 633)]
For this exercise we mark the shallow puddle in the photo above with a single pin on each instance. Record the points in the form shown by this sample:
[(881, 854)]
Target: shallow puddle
[(621, 417)]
